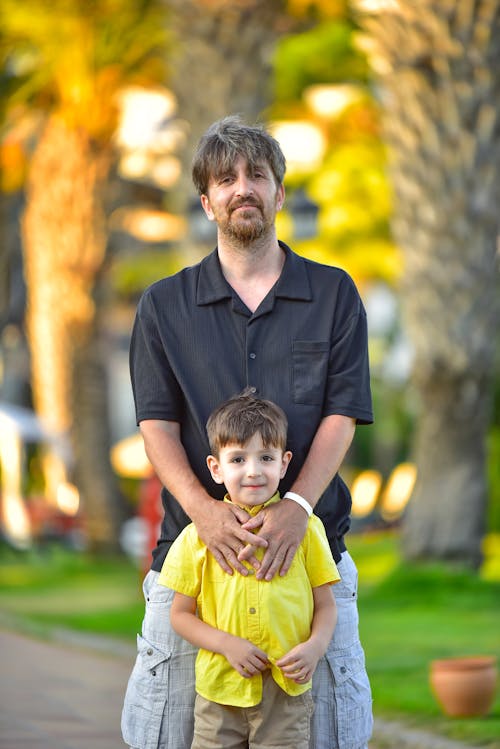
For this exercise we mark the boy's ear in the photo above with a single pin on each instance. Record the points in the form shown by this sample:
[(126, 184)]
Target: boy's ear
[(214, 468), (285, 460)]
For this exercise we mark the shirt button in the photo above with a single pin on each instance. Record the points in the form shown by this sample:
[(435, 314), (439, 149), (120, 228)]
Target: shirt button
[(252, 355), (149, 651), (343, 669), (253, 390), (251, 610)]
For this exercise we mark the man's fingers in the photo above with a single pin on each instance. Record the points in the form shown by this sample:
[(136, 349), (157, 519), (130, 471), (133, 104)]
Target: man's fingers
[(247, 554), (287, 561), (276, 561)]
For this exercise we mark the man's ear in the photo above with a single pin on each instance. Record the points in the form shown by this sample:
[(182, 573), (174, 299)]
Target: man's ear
[(205, 204), (280, 197), (214, 468)]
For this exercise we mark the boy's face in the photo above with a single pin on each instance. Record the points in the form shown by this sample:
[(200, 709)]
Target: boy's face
[(251, 472)]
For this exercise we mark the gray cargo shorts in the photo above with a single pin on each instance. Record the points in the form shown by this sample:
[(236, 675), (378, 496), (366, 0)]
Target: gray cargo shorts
[(159, 702)]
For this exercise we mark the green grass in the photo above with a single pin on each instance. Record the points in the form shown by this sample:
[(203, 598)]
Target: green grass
[(412, 615), (408, 616)]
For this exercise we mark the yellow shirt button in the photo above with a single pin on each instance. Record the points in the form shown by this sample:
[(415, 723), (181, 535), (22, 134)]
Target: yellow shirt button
[(251, 610)]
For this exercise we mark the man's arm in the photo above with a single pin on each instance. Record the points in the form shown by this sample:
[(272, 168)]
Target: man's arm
[(245, 657), (284, 524), (299, 664), (218, 523)]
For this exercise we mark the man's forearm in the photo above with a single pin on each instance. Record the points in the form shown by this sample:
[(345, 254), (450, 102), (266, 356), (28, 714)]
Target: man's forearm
[(169, 460), (328, 449)]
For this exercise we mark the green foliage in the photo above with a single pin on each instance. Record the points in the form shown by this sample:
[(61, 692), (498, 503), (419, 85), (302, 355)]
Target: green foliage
[(324, 54), (130, 275), (72, 57)]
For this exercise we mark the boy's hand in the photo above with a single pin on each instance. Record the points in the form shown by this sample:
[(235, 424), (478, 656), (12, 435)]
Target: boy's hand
[(220, 527), (299, 664), (245, 657), (283, 526)]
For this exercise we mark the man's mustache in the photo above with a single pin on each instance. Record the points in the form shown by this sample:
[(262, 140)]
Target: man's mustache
[(243, 202)]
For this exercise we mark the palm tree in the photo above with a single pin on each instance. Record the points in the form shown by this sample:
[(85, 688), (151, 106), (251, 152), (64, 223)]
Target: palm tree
[(437, 65), (221, 63), (69, 59)]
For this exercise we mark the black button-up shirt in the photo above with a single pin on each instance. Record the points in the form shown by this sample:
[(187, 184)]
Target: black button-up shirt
[(195, 344)]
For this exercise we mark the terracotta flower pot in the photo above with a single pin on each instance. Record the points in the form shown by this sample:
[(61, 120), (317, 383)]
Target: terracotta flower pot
[(464, 687)]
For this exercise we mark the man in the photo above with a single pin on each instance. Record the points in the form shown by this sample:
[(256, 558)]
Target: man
[(251, 314)]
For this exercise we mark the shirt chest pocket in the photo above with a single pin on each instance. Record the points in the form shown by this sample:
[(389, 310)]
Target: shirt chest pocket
[(309, 371)]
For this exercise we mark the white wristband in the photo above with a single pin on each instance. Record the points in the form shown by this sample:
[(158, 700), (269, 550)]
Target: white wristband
[(300, 501)]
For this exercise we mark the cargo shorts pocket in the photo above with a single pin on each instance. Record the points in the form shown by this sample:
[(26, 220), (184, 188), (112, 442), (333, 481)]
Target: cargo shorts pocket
[(353, 699), (146, 695)]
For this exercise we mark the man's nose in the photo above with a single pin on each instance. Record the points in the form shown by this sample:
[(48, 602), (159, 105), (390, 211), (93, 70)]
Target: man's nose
[(243, 185)]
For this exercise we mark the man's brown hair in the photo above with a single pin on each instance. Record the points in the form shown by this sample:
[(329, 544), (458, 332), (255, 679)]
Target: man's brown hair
[(229, 138), (237, 420)]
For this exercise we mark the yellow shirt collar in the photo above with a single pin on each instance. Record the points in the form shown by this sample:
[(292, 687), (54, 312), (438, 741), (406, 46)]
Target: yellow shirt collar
[(257, 508)]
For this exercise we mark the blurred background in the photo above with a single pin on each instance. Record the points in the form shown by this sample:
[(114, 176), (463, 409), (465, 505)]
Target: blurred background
[(388, 115)]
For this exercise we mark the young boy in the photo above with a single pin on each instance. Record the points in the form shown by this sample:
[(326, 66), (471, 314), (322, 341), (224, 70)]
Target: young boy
[(260, 641)]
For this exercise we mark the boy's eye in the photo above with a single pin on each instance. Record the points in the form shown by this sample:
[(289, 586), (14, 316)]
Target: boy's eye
[(267, 457), (237, 460)]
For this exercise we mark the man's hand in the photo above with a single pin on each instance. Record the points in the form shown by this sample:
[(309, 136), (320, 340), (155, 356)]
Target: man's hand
[(245, 657), (283, 525), (220, 527)]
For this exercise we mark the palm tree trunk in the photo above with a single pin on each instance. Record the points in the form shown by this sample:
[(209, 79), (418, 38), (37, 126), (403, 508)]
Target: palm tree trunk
[(221, 64), (64, 242), (438, 65)]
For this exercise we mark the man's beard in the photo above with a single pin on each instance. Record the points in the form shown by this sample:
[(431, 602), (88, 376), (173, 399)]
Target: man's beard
[(245, 229)]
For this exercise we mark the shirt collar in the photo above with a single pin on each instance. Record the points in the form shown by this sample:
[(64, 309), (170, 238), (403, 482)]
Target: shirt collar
[(293, 282), (257, 508)]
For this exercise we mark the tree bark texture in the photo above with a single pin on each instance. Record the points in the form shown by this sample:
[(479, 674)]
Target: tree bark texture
[(437, 65), (64, 243), (221, 65)]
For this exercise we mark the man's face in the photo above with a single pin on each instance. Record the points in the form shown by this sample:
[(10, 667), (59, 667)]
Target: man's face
[(243, 201)]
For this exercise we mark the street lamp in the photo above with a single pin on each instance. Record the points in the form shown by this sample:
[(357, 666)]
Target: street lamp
[(200, 228), (304, 212)]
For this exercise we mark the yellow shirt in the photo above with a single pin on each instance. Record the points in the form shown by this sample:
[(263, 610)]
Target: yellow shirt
[(275, 615)]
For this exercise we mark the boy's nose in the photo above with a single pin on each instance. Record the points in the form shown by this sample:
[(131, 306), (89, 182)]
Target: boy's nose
[(253, 469)]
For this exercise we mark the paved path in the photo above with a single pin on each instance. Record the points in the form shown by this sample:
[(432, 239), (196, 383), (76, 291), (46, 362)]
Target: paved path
[(67, 693), (58, 696)]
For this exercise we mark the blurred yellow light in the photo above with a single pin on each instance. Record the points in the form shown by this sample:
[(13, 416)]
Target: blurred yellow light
[(303, 144), (398, 490), (148, 225), (143, 111), (129, 459), (377, 6), (15, 520), (68, 498), (329, 101), (364, 492)]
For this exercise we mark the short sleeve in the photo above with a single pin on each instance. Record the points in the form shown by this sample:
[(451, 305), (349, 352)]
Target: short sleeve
[(183, 565), (320, 565), (348, 388), (156, 391)]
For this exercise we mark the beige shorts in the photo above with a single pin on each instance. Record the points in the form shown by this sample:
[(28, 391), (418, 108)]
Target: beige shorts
[(280, 721)]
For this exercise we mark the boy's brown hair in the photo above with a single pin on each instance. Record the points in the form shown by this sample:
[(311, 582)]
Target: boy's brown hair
[(237, 420)]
